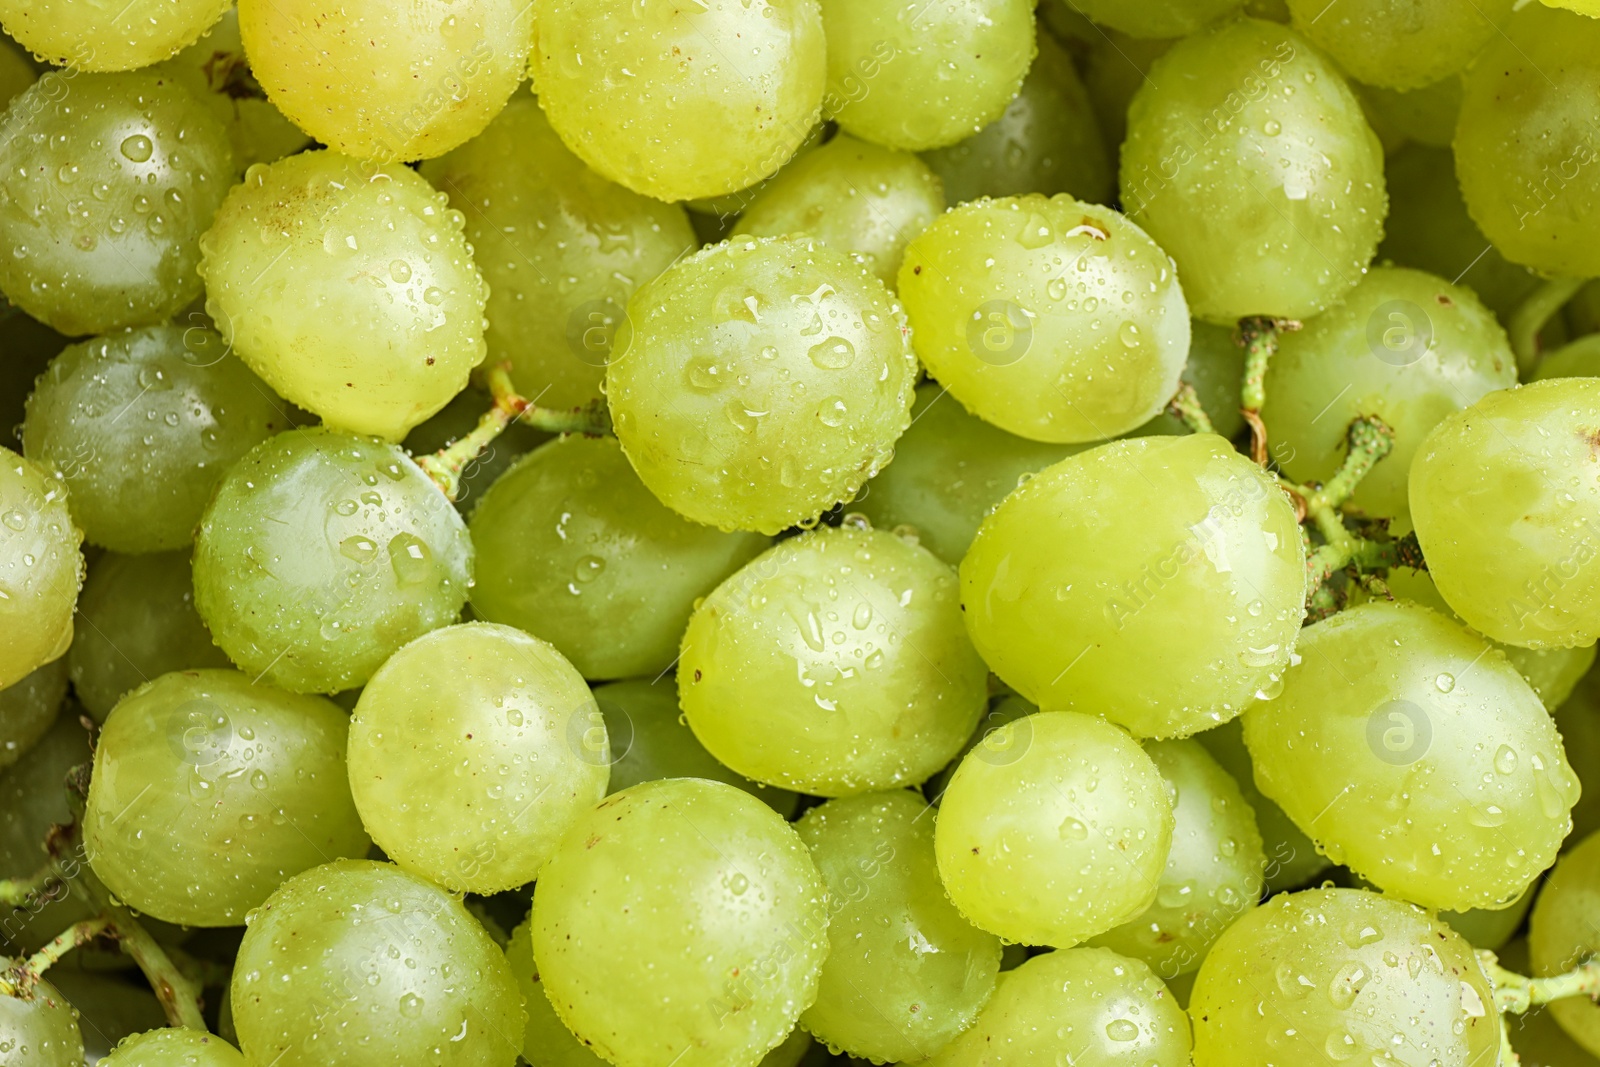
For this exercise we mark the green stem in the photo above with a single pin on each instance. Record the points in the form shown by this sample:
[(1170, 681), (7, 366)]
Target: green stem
[(19, 892), (1185, 406), (20, 979), (1517, 993), (1259, 336), (1531, 316), (1370, 440)]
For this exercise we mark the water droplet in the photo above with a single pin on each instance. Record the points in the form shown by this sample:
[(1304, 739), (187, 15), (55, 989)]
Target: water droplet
[(1505, 759), (433, 295), (411, 1005), (1122, 1030), (831, 412), (1347, 985), (138, 148), (400, 270), (704, 375), (1272, 127), (1445, 682), (1129, 335), (1073, 829), (861, 618), (737, 884), (589, 568), (1036, 232), (835, 353), (358, 548), (15, 519)]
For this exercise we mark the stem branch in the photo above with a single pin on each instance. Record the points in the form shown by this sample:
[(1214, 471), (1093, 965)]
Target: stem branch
[(1517, 993), (1259, 336), (18, 892), (1185, 406), (23, 975), (1531, 316)]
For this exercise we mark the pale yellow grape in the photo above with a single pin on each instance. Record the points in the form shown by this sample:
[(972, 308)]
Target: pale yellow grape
[(855, 197), (1171, 543), (1053, 319), (1507, 509), (28, 709), (1215, 368), (1249, 161), (920, 76), (561, 248), (41, 568), (905, 972), (1565, 932), (760, 381), (1053, 830), (318, 239), (681, 102), (1416, 755), (721, 209), (174, 1047), (1400, 47), (93, 35), (833, 664), (1426, 115), (1155, 18)]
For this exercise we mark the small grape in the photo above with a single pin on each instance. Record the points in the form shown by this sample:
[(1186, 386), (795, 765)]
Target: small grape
[(1156, 18), (28, 709), (86, 35), (1579, 359), (1426, 115), (174, 1048), (40, 1031), (1562, 935), (41, 569), (1377, 44)]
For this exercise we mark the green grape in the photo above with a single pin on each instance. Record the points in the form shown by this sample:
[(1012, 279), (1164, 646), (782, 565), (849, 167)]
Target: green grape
[(997, 321), (87, 35), (1156, 18), (760, 382), (546, 1041), (1053, 830), (1563, 934), (1330, 974), (681, 103), (1378, 43), (924, 76), (571, 547), (680, 922), (1006, 709), (1489, 928), (1047, 141), (1525, 146), (905, 972), (1415, 755), (949, 471), (142, 426), (41, 568), (1586, 7), (472, 751), (1214, 870), (833, 664), (1215, 368), (1116, 67), (650, 741), (28, 709), (1085, 1006), (174, 1048), (312, 589), (40, 1031), (1508, 513), (855, 197), (209, 791), (1249, 160), (1579, 722), (457, 419), (561, 248), (110, 179), (110, 1007), (1171, 543), (29, 346), (1406, 347), (356, 963), (319, 238), (1576, 359), (33, 798), (721, 210), (1426, 115), (384, 81)]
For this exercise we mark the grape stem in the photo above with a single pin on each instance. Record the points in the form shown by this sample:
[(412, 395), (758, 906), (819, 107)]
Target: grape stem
[(19, 892), (1370, 440), (1259, 336), (1517, 993), (1532, 315), (21, 978), (1185, 406)]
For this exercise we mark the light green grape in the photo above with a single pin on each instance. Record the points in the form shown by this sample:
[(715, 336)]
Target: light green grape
[(109, 181), (41, 1031), (1416, 755), (1563, 934), (561, 248), (321, 554), (457, 419), (319, 238), (572, 547), (1400, 47), (905, 972), (1327, 975), (680, 922), (1406, 347), (1507, 509), (142, 426), (174, 1048), (1155, 18), (1171, 543), (1214, 869), (472, 751), (41, 568), (1047, 141), (1076, 1006), (546, 1041), (87, 35), (949, 471), (681, 103), (1577, 359), (1051, 318), (1215, 368), (1053, 830), (1249, 161), (855, 197), (1525, 145), (760, 381), (650, 741), (110, 1007), (919, 77), (1489, 928), (1426, 115), (1117, 66), (210, 791), (28, 709), (33, 797), (1006, 709), (355, 963), (833, 664), (1586, 7)]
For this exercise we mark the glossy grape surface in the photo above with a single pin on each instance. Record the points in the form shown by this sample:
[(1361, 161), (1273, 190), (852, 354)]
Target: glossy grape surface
[(28, 709), (1563, 933), (174, 1048), (88, 35), (1156, 18), (41, 568), (1401, 48), (41, 1032)]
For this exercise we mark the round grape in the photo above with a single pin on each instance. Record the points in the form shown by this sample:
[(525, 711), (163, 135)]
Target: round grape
[(1563, 933), (1401, 49), (87, 35), (1579, 359), (41, 568), (40, 1030), (174, 1048), (28, 709), (546, 1040), (1155, 18), (1489, 928)]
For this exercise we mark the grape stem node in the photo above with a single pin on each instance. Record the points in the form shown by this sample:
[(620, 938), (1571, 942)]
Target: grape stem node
[(1185, 406), (21, 978), (1370, 440), (1532, 314), (1517, 993), (1259, 337)]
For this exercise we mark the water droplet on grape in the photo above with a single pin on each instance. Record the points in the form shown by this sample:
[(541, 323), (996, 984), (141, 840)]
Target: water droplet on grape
[(137, 148)]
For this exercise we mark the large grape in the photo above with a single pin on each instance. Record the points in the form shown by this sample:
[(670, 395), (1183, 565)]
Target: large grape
[(1155, 18), (1400, 46), (28, 709), (41, 568), (89, 35), (41, 1031), (760, 381), (1563, 933), (174, 1048), (319, 238), (1171, 543)]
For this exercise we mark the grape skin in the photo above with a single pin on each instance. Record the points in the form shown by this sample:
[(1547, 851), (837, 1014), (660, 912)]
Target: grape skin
[(42, 1032), (28, 709), (1377, 44), (41, 569), (174, 1048), (1579, 722), (86, 35), (1562, 935)]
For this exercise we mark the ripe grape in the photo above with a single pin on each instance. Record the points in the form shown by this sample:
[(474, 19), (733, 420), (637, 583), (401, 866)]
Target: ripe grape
[(546, 1040), (323, 553), (110, 179), (85, 35), (833, 664), (41, 568), (1579, 359), (28, 709), (1415, 755), (1507, 509), (561, 248), (1489, 928), (1374, 43), (760, 381), (1426, 115), (635, 935), (319, 238), (1330, 974), (142, 426), (1562, 934), (677, 103), (41, 1031), (174, 1048), (716, 212), (1171, 543), (905, 973), (472, 751), (1249, 161), (1007, 708), (1054, 829), (355, 963), (1051, 318), (110, 1006), (1155, 18), (571, 547), (1215, 369), (1579, 722)]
